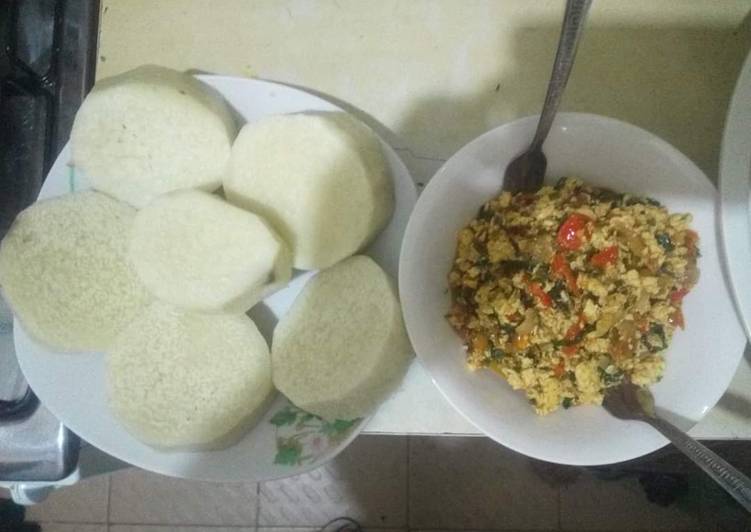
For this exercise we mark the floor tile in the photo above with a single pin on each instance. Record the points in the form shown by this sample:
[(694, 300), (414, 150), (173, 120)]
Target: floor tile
[(367, 482), (316, 529), (158, 528), (621, 504), (85, 502), (465, 483), (72, 527), (287, 529), (147, 498)]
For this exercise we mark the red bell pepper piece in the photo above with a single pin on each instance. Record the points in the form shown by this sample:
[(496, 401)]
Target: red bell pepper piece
[(574, 330), (562, 270), (542, 296)]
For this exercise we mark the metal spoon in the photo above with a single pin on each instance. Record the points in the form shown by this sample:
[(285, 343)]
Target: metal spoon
[(631, 402), (527, 171)]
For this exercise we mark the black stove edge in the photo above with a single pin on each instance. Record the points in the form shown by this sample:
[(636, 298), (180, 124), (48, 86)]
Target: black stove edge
[(69, 79)]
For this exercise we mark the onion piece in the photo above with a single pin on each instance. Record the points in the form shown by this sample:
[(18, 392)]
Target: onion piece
[(531, 319)]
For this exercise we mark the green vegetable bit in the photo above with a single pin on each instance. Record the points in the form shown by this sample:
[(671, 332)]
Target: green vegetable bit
[(664, 240), (611, 379), (631, 200), (655, 339), (496, 354)]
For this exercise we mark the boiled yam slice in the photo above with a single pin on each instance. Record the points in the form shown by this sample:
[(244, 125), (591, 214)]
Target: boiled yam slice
[(152, 130), (342, 347), (320, 178), (189, 381), (196, 251), (64, 272)]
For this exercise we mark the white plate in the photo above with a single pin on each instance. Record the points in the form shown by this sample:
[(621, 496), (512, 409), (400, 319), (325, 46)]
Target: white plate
[(735, 193), (701, 360), (286, 441)]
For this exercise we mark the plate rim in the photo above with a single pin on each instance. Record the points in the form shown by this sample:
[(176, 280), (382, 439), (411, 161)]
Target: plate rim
[(734, 181)]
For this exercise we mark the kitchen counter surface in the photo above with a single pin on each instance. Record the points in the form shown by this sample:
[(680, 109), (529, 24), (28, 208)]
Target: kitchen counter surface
[(430, 75)]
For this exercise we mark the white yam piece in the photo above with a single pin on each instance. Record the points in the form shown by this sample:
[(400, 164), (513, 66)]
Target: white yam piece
[(320, 178), (196, 251), (152, 130), (64, 272), (342, 347), (189, 381)]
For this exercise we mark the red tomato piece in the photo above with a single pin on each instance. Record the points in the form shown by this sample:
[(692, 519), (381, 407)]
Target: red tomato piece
[(676, 296), (570, 350), (572, 231), (515, 317), (603, 258), (676, 318), (692, 237)]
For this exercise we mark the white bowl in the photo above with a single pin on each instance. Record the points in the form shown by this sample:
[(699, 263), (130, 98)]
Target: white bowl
[(701, 360)]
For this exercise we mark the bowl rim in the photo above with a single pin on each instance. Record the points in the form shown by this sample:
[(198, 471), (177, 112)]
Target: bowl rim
[(659, 145)]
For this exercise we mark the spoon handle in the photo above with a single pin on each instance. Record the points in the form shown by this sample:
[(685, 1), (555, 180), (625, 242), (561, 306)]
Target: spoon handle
[(571, 31), (733, 481)]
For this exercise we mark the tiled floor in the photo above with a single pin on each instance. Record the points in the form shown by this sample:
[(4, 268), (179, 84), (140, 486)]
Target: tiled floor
[(395, 483)]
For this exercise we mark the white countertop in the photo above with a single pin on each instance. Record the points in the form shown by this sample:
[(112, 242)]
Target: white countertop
[(431, 75)]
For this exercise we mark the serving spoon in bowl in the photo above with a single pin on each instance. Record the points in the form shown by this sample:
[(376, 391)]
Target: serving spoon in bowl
[(527, 171), (630, 402)]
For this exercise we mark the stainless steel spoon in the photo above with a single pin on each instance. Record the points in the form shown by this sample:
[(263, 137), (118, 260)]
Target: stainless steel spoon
[(628, 401), (527, 171)]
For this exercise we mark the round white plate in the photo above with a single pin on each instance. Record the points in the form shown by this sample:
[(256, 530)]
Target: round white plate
[(286, 441), (701, 360), (735, 193)]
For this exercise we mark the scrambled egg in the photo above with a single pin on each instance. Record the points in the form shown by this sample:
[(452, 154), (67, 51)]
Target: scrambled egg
[(566, 291)]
